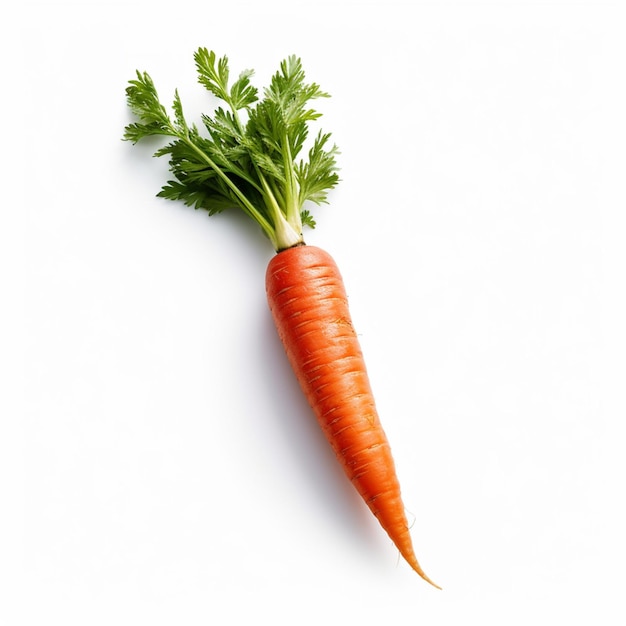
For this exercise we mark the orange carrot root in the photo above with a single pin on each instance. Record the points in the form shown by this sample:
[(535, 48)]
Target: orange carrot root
[(308, 301)]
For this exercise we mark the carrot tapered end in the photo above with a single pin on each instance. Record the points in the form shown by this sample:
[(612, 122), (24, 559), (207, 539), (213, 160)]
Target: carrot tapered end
[(428, 580), (418, 568)]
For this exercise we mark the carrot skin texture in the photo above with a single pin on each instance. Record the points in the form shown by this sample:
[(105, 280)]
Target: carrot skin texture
[(309, 305)]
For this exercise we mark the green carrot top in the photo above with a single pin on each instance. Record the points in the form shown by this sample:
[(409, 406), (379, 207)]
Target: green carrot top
[(248, 158)]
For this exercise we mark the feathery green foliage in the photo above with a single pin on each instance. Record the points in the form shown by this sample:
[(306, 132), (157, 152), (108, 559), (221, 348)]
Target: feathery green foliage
[(248, 153)]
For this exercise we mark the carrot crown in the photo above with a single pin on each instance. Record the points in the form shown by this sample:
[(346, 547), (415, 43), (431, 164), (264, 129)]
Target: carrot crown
[(248, 156)]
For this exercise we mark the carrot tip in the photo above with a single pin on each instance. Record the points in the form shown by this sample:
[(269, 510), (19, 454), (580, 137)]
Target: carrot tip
[(420, 571), (428, 580)]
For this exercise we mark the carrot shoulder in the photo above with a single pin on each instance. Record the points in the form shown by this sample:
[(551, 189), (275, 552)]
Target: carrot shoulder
[(309, 305)]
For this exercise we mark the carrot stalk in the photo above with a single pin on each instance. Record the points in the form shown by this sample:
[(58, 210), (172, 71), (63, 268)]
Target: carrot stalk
[(309, 305)]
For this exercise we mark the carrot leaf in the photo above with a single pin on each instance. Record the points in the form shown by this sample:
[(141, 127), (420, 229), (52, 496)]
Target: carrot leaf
[(246, 157)]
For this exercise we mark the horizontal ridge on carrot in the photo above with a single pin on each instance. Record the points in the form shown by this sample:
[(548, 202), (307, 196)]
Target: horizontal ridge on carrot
[(247, 160)]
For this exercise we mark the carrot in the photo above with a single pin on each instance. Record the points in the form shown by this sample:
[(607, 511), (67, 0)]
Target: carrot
[(309, 305), (248, 161)]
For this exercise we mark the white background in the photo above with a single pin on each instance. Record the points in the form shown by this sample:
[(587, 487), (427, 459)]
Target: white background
[(159, 465)]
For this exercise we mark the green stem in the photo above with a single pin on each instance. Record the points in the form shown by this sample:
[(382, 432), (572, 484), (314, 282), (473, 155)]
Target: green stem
[(246, 204), (286, 236), (292, 207)]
